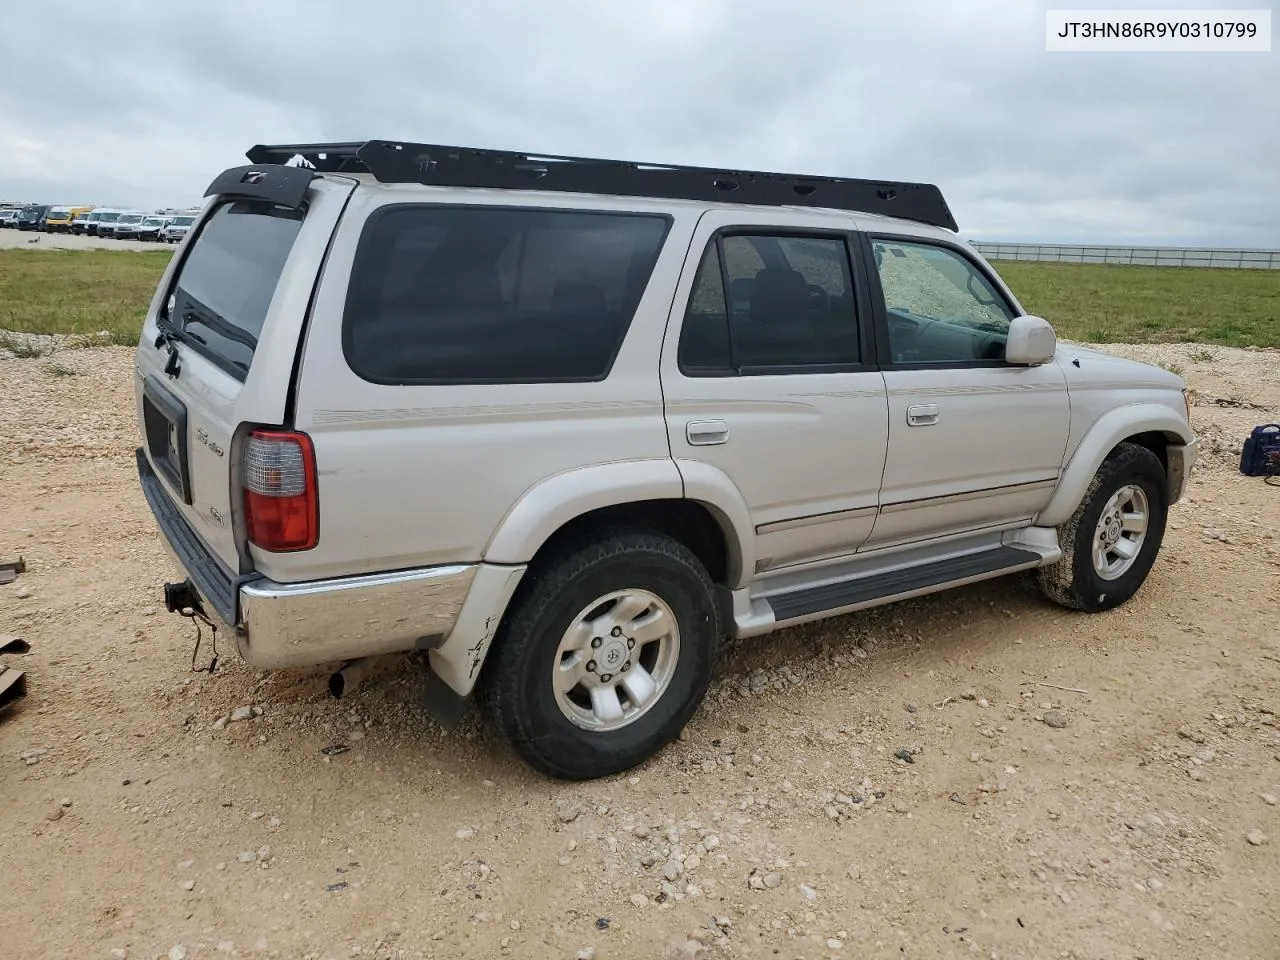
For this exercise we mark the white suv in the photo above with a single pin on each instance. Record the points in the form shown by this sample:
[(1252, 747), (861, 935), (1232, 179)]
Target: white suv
[(123, 227), (563, 424), (177, 228)]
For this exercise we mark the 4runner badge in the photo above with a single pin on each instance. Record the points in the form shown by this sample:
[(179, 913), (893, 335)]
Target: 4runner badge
[(204, 441)]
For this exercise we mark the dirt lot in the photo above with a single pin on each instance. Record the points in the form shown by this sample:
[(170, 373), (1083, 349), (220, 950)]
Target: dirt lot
[(135, 822)]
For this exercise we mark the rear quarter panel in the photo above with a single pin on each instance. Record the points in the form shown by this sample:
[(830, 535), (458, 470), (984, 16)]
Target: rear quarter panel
[(425, 474)]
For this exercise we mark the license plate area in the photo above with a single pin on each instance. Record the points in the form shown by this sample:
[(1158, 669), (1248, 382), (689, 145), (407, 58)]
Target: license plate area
[(164, 419)]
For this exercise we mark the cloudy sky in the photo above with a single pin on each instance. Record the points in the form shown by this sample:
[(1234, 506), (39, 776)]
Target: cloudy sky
[(142, 102)]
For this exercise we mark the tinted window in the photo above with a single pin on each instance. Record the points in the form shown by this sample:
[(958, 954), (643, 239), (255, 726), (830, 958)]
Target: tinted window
[(490, 295), (226, 283), (763, 302), (705, 346), (940, 308)]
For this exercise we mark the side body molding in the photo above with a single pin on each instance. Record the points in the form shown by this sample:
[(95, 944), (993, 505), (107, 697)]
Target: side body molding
[(1110, 429)]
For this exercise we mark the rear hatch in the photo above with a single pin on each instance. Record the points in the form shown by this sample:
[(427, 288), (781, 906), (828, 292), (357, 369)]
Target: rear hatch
[(218, 347)]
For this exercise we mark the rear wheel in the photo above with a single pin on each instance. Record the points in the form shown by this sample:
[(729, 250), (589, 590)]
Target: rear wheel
[(1110, 543), (605, 655)]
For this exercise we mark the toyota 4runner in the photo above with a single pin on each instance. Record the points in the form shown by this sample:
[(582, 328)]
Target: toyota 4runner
[(563, 424)]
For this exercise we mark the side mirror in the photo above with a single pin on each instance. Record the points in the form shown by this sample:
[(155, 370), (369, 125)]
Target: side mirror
[(1031, 342)]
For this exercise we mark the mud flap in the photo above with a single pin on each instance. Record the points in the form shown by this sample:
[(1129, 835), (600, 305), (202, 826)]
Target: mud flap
[(13, 687), (443, 704)]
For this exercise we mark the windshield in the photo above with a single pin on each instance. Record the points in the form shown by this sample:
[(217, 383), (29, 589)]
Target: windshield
[(182, 221), (108, 217), (153, 222), (227, 281), (130, 218)]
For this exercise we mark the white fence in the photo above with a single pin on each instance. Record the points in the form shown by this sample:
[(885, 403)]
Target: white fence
[(1150, 256)]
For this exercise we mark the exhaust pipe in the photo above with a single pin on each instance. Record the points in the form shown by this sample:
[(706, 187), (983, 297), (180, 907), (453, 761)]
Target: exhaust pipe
[(349, 676)]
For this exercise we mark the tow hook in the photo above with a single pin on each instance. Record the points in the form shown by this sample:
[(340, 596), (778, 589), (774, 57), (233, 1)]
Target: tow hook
[(180, 596)]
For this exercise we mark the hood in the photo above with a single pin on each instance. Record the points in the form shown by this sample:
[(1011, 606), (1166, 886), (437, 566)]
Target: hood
[(1083, 364)]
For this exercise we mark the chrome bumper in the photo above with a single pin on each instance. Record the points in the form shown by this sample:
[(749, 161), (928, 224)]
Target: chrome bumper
[(303, 624)]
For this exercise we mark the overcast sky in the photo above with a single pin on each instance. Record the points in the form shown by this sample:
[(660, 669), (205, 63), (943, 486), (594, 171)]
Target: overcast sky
[(142, 102)]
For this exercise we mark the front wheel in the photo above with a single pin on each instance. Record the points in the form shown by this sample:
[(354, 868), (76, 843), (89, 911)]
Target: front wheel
[(605, 654), (1110, 543)]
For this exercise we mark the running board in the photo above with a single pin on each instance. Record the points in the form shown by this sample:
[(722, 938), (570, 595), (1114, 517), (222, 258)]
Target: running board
[(872, 590)]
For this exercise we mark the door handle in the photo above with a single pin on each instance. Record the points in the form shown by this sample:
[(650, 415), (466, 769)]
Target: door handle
[(704, 433), (923, 414)]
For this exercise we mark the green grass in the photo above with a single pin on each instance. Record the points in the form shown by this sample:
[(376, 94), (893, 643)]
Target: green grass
[(1102, 303), (1202, 355), (78, 292), (84, 292)]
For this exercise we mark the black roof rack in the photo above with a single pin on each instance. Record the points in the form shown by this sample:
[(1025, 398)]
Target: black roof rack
[(396, 162)]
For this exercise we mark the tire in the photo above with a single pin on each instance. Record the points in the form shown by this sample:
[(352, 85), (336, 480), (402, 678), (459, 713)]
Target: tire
[(1078, 581), (575, 586)]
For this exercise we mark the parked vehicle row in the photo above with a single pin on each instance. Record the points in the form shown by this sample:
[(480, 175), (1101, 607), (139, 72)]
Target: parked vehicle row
[(120, 223)]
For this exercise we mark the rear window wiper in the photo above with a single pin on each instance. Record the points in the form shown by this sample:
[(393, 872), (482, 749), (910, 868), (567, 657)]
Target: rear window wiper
[(168, 335), (219, 325)]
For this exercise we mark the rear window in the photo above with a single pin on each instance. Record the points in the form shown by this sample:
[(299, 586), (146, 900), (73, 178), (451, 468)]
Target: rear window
[(225, 285), (495, 295)]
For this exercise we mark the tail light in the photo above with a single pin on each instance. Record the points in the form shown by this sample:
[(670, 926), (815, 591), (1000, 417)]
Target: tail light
[(281, 507)]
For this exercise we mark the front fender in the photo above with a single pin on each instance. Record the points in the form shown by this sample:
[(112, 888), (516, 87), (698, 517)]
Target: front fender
[(1111, 428), (551, 503)]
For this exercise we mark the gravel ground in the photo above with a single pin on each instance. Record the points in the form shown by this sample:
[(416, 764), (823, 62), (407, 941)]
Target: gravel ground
[(69, 241), (910, 782)]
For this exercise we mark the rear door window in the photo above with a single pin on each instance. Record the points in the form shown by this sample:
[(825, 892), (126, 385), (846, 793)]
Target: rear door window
[(495, 295), (220, 298), (771, 304)]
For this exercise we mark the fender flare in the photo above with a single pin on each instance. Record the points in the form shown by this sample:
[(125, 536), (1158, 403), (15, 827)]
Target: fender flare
[(551, 503), (712, 488), (546, 507), (1109, 430)]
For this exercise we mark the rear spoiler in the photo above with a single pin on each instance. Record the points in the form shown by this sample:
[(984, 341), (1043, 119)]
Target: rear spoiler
[(274, 183)]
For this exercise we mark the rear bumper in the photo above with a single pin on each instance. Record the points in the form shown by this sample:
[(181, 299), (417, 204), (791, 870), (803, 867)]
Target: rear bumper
[(218, 587), (304, 624)]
